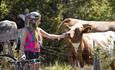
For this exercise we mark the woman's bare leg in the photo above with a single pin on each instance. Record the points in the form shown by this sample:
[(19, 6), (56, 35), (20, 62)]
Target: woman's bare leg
[(35, 66)]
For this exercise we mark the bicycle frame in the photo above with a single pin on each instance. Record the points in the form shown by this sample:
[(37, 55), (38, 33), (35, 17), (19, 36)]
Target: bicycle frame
[(19, 63)]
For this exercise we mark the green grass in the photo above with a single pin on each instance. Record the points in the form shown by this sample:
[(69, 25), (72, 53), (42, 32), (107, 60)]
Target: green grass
[(57, 66), (63, 66)]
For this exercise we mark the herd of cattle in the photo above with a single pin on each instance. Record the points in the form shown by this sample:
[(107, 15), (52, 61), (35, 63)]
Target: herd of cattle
[(82, 36)]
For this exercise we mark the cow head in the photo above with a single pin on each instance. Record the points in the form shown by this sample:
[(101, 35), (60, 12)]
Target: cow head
[(75, 32), (78, 30)]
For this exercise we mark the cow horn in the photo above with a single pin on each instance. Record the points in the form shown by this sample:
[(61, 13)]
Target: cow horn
[(60, 25), (64, 21)]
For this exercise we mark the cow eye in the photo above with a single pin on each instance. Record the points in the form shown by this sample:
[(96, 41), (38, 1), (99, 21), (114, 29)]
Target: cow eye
[(81, 27)]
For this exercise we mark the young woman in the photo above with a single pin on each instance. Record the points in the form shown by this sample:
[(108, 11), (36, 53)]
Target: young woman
[(32, 39)]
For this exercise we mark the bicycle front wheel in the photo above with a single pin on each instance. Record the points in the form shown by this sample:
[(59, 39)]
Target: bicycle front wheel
[(5, 62)]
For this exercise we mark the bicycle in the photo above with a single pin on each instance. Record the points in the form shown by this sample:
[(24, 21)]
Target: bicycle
[(18, 64)]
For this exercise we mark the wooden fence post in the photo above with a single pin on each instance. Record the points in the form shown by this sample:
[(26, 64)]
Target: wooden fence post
[(96, 60)]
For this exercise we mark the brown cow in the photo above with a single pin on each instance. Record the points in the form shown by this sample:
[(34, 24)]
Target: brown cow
[(72, 41), (83, 53), (97, 26)]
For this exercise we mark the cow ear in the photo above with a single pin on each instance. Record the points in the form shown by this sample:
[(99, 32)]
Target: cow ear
[(86, 25), (87, 28)]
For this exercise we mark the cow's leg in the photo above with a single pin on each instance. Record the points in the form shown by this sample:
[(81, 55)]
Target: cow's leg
[(80, 51), (75, 57), (113, 65), (86, 50), (80, 59), (70, 56)]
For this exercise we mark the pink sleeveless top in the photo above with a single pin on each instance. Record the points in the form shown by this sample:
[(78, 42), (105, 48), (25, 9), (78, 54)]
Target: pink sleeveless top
[(30, 44)]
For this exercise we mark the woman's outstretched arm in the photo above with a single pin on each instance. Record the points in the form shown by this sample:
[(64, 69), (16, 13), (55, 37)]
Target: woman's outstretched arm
[(51, 36)]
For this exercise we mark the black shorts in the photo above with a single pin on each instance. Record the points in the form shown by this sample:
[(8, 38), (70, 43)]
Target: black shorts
[(32, 55)]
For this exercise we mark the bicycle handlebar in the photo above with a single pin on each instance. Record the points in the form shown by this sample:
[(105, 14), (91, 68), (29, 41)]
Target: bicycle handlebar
[(9, 56), (21, 61)]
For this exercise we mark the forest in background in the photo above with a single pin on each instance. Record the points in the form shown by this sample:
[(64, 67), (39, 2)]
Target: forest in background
[(55, 11)]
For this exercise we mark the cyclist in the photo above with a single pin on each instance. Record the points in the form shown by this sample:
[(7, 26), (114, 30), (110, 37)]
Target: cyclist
[(32, 39)]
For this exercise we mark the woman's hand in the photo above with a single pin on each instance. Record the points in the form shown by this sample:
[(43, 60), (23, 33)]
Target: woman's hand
[(62, 36), (22, 57)]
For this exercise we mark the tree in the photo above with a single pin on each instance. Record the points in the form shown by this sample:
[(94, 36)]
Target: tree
[(90, 9), (54, 11)]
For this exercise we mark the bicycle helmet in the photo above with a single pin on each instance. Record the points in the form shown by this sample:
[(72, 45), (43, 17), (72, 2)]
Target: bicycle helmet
[(34, 16)]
